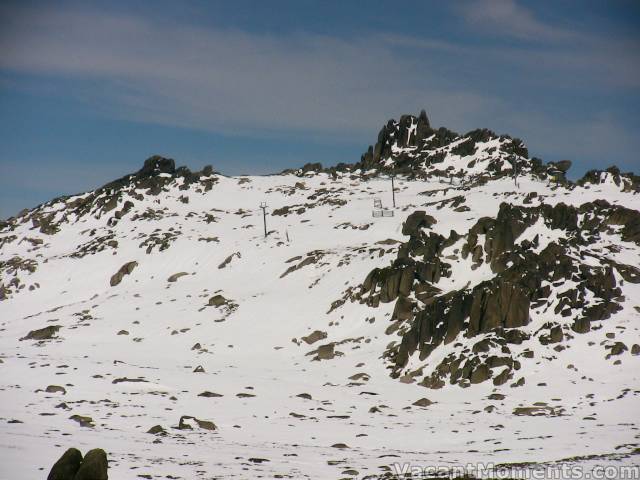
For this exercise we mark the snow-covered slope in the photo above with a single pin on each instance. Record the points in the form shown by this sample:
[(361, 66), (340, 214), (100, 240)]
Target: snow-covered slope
[(511, 305)]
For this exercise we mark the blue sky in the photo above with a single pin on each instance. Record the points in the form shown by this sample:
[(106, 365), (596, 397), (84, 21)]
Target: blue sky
[(88, 90)]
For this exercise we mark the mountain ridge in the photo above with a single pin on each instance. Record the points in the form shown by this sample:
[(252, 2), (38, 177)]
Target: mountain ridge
[(166, 315), (393, 153)]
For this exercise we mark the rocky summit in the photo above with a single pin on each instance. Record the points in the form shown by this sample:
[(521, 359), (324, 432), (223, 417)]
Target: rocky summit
[(485, 310)]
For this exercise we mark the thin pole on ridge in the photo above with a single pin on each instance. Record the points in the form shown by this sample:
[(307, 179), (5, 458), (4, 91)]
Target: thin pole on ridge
[(263, 206)]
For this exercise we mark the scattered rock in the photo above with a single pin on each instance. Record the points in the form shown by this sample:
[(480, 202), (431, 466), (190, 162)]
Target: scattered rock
[(227, 260), (423, 402), (208, 394), (245, 395), (186, 423), (325, 352), (314, 337), (129, 380), (55, 389), (537, 411), (45, 333), (176, 276), (126, 269), (217, 301), (83, 421), (156, 429)]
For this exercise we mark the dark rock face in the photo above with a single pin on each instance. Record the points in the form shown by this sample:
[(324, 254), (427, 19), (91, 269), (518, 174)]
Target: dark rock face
[(500, 305), (417, 220), (67, 465), (157, 164), (408, 132), (497, 308)]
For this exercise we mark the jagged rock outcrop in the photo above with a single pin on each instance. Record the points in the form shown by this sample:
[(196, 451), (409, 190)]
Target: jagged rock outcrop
[(412, 146), (524, 273)]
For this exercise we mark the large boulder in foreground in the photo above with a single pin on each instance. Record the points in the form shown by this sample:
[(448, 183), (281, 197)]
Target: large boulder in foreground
[(71, 466), (67, 465), (94, 466)]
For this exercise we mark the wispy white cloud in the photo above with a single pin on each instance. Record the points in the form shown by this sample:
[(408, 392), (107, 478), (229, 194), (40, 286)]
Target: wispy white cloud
[(507, 17), (227, 80)]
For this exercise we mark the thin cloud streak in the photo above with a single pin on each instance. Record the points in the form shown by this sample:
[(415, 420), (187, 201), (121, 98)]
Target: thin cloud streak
[(224, 80), (239, 83)]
